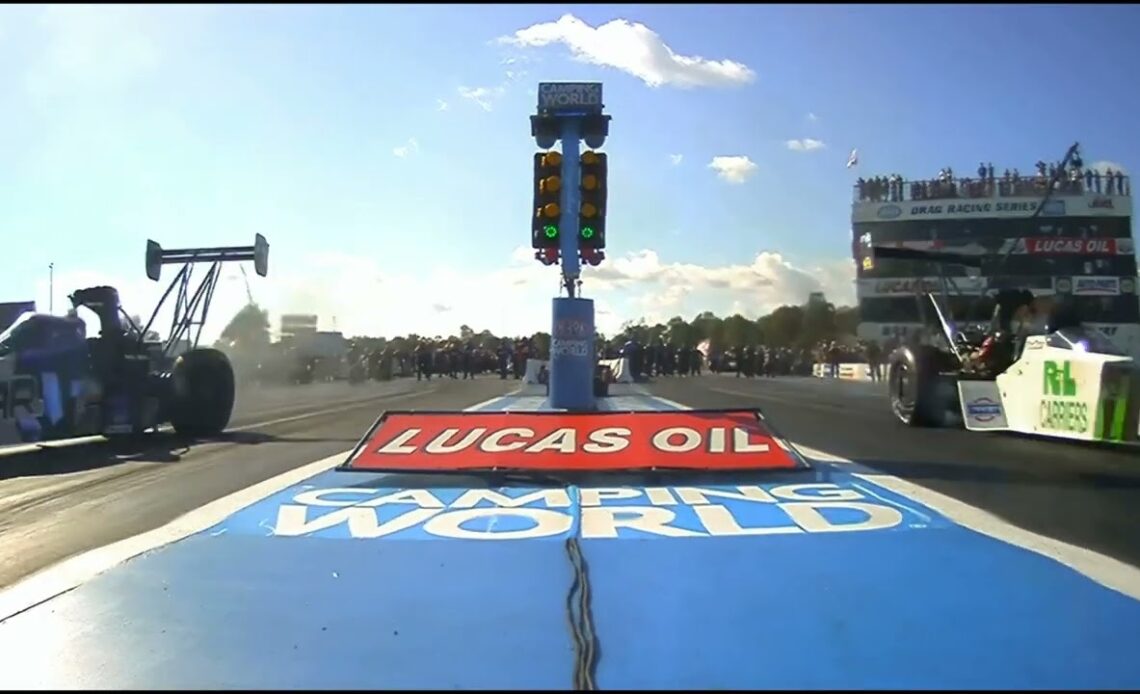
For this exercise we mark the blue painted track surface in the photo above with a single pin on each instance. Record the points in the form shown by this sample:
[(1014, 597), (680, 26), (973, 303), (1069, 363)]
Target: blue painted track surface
[(372, 597)]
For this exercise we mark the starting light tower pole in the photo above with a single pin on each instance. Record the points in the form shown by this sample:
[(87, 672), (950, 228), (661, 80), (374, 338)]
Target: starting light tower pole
[(570, 112), (571, 200)]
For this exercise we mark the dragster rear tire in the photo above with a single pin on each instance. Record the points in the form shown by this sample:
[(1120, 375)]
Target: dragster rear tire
[(202, 398), (913, 381)]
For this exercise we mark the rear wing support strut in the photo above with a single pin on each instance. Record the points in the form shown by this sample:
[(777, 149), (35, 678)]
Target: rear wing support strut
[(191, 308)]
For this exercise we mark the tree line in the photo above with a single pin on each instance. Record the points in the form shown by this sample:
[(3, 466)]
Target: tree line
[(795, 327)]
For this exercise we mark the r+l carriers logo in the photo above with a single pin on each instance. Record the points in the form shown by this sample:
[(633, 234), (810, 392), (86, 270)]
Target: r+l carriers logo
[(1060, 410)]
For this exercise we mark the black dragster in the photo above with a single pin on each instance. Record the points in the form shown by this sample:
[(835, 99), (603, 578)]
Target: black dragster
[(57, 383)]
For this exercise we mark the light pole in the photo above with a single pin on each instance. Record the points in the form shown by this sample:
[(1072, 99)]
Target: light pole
[(51, 288), (571, 112)]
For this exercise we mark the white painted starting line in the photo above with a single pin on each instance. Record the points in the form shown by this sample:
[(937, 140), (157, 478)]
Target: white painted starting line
[(71, 573)]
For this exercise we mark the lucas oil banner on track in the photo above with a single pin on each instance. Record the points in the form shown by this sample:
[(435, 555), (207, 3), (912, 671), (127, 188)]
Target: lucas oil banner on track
[(693, 439)]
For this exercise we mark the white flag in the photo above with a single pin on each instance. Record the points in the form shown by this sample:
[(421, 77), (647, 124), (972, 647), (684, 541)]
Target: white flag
[(853, 159)]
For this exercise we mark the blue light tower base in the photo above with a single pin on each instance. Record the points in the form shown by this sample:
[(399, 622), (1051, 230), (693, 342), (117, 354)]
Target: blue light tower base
[(572, 358)]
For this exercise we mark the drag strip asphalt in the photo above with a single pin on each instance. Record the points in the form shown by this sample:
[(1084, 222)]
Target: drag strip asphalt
[(57, 502), (1079, 493)]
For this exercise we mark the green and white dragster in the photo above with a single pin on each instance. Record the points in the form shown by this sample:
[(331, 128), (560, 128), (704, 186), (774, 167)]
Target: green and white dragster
[(1070, 384)]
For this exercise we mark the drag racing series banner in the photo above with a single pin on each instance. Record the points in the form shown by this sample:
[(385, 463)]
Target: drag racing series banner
[(993, 208)]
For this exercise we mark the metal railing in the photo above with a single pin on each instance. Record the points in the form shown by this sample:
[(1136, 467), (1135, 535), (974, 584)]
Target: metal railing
[(886, 189)]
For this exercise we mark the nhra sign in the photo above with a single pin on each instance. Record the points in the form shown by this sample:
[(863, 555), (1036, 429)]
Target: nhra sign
[(596, 441), (1096, 286), (570, 337), (592, 513)]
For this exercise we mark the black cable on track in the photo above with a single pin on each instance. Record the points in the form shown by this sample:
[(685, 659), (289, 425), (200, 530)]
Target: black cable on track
[(578, 611)]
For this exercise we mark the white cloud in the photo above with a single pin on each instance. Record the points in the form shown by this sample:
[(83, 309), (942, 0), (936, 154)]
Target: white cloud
[(676, 159), (440, 105), (412, 146), (733, 169), (486, 97), (483, 96), (812, 117), (633, 48), (805, 145), (510, 299), (663, 290)]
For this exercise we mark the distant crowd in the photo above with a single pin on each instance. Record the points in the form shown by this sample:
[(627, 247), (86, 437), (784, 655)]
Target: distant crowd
[(507, 359), (750, 361), (660, 360), (1072, 179), (831, 354), (657, 358), (455, 359), (425, 359)]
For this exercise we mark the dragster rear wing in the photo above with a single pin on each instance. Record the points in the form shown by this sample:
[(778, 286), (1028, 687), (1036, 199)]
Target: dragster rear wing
[(870, 252), (156, 257)]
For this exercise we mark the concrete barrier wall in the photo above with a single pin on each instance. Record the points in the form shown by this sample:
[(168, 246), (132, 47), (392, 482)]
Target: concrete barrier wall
[(849, 371)]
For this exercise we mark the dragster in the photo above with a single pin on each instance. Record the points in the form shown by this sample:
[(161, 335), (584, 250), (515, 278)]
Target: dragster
[(56, 383), (1064, 381)]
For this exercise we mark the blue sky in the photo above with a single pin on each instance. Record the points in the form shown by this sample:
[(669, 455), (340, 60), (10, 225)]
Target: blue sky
[(385, 151)]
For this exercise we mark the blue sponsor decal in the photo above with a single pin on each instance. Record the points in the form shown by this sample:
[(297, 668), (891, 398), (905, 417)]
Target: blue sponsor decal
[(1054, 208), (984, 409), (889, 211)]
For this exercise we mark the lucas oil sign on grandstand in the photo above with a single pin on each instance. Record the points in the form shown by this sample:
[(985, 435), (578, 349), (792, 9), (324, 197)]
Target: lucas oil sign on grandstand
[(694, 439), (595, 513)]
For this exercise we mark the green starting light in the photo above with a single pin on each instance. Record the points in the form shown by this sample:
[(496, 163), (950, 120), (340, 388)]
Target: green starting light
[(588, 232), (550, 230)]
